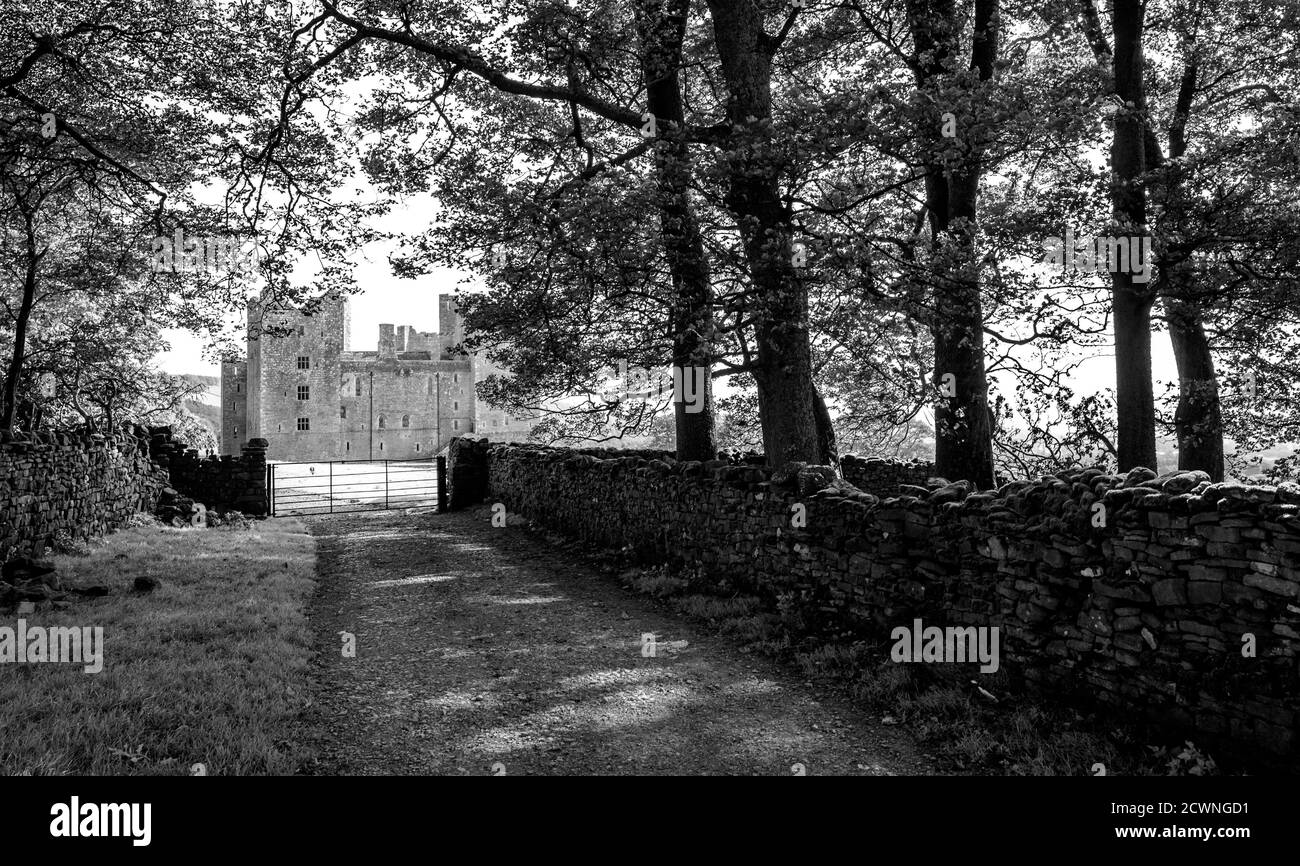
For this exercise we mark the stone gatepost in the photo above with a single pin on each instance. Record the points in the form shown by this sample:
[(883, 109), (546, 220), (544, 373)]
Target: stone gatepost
[(250, 478)]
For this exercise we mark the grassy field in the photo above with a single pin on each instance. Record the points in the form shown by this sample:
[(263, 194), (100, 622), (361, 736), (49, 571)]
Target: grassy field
[(209, 668)]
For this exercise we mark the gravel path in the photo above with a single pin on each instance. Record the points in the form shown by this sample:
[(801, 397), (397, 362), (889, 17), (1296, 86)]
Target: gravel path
[(486, 651)]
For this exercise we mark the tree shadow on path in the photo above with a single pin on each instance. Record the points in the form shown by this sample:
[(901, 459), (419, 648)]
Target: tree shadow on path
[(485, 651)]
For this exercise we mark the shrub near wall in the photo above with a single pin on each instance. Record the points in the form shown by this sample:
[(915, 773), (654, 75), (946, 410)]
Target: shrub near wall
[(1145, 613), (82, 485)]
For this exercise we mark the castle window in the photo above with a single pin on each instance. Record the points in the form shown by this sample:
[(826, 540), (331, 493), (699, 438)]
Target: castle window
[(304, 423), (304, 392), (382, 422), (304, 362), (417, 447), (455, 425), (406, 420), (343, 411), (381, 446), (347, 446), (430, 384), (455, 406), (302, 332), (238, 387), (235, 430), (358, 386), (455, 377)]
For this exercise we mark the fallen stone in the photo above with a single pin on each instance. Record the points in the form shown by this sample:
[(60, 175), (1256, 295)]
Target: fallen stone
[(22, 569), (90, 591)]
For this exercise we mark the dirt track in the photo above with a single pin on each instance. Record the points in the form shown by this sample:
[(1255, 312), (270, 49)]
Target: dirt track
[(483, 650)]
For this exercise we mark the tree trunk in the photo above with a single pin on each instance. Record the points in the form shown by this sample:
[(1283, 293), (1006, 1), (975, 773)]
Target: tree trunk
[(1134, 397), (1198, 406), (14, 373), (783, 366), (829, 454), (1198, 419), (661, 29), (963, 427), (1131, 301)]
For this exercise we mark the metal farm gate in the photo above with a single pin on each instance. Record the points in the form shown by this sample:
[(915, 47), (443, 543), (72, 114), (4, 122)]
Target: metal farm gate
[(334, 486)]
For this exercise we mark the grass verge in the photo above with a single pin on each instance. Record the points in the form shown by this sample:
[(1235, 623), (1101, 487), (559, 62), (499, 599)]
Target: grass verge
[(207, 669)]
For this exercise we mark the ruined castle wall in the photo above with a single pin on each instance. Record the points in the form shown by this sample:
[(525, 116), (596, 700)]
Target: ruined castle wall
[(319, 339), (412, 375), (1133, 592), (253, 374), (451, 327), (436, 397), (234, 407), (422, 341)]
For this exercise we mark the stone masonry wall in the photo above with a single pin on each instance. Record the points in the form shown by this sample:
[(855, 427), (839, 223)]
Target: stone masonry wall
[(1134, 592), (220, 483), (466, 471), (884, 477), (81, 485), (85, 484), (283, 394), (467, 466)]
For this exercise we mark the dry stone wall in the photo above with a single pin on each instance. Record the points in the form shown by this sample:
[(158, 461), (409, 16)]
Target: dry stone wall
[(221, 483), (885, 477), (1170, 596), (86, 484), (79, 485)]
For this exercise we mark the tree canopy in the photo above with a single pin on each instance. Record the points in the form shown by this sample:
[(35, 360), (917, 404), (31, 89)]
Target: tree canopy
[(841, 215)]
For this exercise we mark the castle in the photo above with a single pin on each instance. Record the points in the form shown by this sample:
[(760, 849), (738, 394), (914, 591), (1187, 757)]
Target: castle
[(314, 400)]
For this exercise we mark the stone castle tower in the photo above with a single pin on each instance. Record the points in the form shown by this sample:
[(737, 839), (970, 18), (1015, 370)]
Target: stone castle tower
[(313, 399)]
